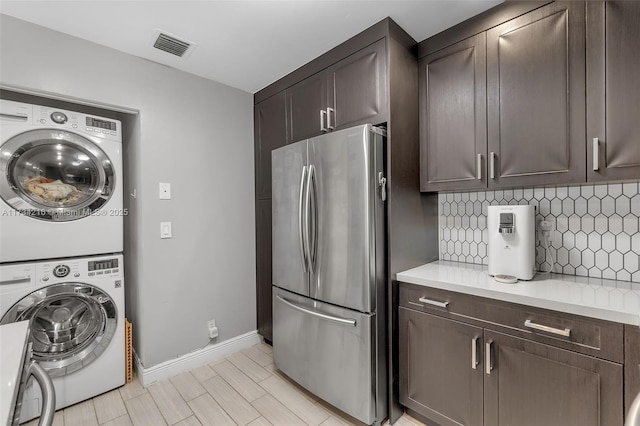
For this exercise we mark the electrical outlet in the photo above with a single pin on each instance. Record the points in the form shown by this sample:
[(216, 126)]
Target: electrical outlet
[(213, 330)]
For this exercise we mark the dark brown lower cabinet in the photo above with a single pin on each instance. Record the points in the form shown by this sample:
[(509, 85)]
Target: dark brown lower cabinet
[(441, 368), (532, 384), (453, 373)]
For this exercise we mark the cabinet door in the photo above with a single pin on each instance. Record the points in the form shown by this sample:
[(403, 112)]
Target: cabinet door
[(357, 89), (613, 90), (263, 268), (440, 377), (306, 106), (536, 97), (453, 117), (270, 130), (532, 384)]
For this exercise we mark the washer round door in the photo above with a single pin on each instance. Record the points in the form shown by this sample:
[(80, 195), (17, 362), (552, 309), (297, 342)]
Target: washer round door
[(54, 175), (71, 324)]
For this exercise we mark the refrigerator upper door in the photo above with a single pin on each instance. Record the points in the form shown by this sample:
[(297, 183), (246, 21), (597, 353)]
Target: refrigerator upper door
[(289, 229), (344, 214)]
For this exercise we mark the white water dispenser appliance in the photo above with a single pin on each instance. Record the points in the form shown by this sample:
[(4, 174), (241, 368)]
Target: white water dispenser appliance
[(512, 242)]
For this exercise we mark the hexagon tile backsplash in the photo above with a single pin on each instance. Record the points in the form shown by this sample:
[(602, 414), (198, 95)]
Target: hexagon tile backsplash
[(595, 227)]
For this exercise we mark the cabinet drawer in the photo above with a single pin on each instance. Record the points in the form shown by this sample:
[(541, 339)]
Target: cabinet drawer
[(590, 336), (599, 338)]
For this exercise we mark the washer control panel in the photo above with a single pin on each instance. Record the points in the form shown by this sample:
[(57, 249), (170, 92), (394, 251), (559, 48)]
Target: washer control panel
[(80, 269)]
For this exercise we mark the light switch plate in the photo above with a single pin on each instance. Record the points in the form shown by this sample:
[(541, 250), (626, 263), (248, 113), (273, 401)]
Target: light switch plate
[(165, 230), (165, 191)]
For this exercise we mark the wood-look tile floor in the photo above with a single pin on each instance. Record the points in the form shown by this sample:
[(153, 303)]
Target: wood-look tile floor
[(243, 389)]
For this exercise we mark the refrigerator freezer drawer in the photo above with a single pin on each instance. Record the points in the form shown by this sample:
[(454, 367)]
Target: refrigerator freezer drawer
[(328, 350)]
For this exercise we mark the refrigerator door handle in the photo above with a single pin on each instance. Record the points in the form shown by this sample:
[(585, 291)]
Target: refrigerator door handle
[(340, 320), (311, 208), (301, 227)]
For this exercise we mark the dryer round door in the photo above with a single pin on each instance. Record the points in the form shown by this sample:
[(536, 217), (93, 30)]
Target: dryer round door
[(54, 175), (71, 324)]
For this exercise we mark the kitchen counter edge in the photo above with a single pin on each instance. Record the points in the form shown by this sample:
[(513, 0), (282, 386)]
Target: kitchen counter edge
[(610, 300)]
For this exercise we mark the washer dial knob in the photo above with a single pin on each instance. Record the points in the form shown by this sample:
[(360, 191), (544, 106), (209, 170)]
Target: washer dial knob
[(59, 117), (61, 271)]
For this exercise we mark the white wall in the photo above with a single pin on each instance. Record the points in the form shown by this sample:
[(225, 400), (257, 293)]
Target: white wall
[(192, 132)]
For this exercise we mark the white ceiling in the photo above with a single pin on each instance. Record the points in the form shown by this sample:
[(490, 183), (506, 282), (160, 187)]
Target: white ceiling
[(244, 44)]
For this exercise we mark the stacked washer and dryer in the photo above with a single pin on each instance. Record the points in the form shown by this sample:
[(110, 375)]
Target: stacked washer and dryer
[(61, 242)]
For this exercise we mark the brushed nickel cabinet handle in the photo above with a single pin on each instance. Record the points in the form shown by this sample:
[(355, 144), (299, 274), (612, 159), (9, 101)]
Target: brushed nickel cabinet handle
[(633, 416), (488, 361), (596, 154), (560, 332), (474, 353), (492, 165), (479, 167), (329, 112), (323, 115), (434, 302)]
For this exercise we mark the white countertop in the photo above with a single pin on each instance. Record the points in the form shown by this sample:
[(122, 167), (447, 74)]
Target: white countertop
[(610, 300), (13, 340)]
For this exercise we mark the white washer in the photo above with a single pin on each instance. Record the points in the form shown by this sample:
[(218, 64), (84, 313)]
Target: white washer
[(60, 183), (76, 312)]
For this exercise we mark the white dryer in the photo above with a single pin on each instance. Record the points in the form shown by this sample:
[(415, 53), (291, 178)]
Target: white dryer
[(60, 183), (75, 308)]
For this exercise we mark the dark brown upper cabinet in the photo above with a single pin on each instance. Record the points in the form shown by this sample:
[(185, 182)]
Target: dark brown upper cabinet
[(613, 90), (306, 106), (357, 90), (349, 92), (453, 127), (270, 130), (536, 98)]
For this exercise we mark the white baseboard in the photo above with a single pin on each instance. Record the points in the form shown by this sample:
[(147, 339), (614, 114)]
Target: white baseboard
[(192, 360)]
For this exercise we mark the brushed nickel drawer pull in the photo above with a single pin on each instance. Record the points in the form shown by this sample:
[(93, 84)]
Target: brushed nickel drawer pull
[(565, 333), (434, 302)]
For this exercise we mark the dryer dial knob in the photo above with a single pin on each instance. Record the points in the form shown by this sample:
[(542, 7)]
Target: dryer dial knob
[(59, 117), (61, 271)]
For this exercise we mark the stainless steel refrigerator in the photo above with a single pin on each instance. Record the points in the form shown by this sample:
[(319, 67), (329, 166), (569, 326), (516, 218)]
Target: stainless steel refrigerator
[(329, 259)]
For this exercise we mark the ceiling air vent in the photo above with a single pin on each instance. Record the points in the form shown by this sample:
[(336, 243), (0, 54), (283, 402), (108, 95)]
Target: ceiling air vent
[(170, 44)]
